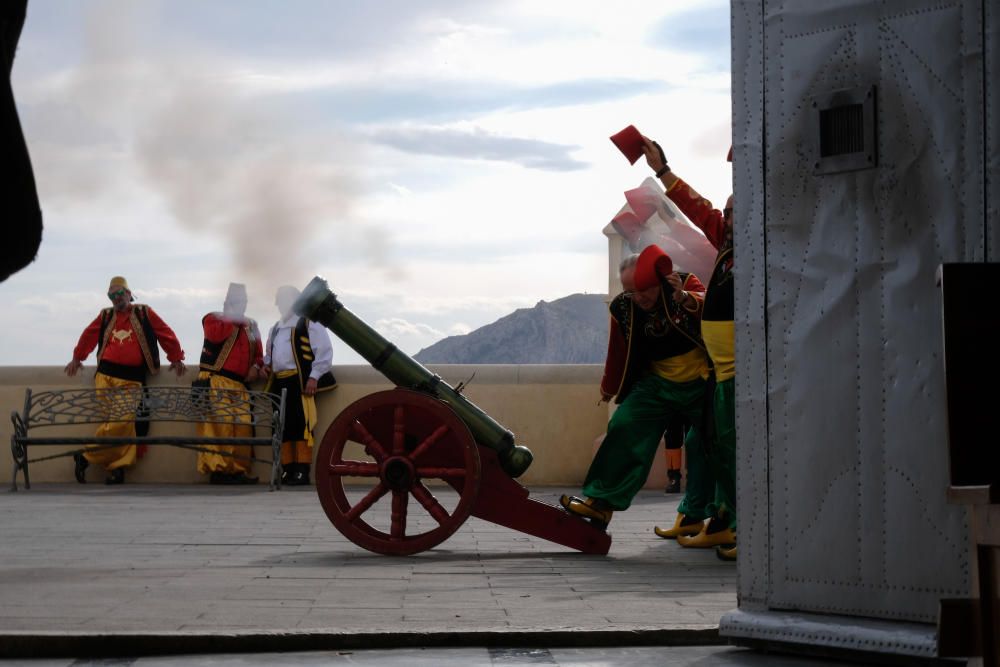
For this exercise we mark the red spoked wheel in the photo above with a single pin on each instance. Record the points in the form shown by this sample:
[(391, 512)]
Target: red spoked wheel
[(391, 442)]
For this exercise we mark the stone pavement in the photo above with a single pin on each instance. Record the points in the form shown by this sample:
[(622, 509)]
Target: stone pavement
[(201, 569), (622, 656)]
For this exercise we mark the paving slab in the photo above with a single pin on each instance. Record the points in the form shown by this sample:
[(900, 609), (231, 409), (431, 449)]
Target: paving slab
[(225, 565), (623, 656)]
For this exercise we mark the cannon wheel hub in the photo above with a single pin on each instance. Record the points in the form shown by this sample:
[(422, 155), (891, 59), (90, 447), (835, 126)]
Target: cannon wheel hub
[(376, 457), (398, 473)]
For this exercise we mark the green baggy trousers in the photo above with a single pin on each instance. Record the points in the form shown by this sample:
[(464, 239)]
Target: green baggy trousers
[(722, 451), (622, 462)]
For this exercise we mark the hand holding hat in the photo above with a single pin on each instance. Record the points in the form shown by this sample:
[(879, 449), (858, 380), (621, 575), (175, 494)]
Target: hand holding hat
[(655, 157), (634, 145), (680, 294), (653, 263)]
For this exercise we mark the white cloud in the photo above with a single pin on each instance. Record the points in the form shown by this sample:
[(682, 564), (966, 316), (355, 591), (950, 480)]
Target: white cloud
[(395, 327), (400, 190), (478, 144)]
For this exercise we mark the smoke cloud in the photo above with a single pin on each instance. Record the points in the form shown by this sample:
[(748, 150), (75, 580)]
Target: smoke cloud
[(175, 121), (224, 168)]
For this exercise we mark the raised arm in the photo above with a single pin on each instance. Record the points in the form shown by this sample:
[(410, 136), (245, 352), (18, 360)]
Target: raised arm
[(698, 209)]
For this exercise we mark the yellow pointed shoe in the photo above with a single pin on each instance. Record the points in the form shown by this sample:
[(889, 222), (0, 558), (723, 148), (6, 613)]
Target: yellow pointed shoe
[(587, 509), (682, 526), (566, 499), (726, 553), (705, 539)]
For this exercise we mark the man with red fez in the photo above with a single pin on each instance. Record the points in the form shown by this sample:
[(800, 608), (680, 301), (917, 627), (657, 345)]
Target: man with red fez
[(126, 337), (231, 358), (298, 359), (718, 332), (655, 369)]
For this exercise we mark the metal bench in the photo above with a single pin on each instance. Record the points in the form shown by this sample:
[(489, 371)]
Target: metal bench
[(47, 411)]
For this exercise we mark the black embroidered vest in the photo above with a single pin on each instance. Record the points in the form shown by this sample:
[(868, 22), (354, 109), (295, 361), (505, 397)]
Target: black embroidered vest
[(302, 352), (684, 325), (720, 299)]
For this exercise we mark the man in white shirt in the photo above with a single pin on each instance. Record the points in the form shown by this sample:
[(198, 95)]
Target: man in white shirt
[(297, 358)]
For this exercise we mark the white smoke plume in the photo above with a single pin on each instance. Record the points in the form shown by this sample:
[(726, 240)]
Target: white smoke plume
[(176, 121), (226, 169)]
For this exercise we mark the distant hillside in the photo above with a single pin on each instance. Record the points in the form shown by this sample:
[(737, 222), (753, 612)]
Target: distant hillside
[(570, 330)]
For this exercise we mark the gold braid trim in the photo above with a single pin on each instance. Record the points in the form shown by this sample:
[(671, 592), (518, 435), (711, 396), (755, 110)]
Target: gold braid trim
[(140, 334), (251, 340), (628, 345), (723, 255), (675, 325), (224, 353)]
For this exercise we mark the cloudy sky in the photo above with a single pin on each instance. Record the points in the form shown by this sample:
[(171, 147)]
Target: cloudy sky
[(440, 162)]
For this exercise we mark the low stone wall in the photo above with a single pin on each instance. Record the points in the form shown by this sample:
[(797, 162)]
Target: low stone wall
[(551, 409)]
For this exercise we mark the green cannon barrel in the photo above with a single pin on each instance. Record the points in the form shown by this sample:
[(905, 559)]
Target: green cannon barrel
[(319, 304)]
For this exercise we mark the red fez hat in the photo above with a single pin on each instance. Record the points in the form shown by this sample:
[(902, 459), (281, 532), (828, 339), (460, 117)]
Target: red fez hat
[(653, 262), (629, 142)]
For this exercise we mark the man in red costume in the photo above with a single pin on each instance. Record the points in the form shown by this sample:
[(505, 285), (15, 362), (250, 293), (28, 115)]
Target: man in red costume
[(126, 337), (656, 367), (718, 332), (231, 358)]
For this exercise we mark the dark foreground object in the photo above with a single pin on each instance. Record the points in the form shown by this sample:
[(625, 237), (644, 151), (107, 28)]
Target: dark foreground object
[(970, 626), (19, 207)]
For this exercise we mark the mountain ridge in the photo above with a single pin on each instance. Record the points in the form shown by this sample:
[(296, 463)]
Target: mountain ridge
[(569, 330)]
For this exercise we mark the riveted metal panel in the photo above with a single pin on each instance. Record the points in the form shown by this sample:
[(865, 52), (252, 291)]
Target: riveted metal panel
[(854, 437), (747, 31)]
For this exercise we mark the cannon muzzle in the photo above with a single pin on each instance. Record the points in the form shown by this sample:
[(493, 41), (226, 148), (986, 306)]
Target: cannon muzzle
[(319, 304)]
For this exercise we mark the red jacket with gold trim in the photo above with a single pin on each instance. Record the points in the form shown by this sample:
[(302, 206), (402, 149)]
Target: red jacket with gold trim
[(245, 351), (699, 211), (123, 346)]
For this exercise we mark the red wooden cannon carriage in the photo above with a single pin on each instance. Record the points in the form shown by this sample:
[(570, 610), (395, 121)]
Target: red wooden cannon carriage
[(424, 435)]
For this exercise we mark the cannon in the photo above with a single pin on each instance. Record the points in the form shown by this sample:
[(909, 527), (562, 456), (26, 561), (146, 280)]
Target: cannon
[(423, 431)]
